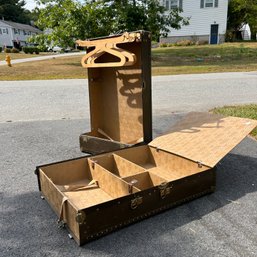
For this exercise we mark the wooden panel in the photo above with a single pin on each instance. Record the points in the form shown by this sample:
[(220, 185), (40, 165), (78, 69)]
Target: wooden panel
[(54, 198), (68, 172), (205, 137), (140, 155), (142, 181), (145, 180), (104, 160), (125, 167), (111, 184), (88, 197), (116, 99), (173, 165)]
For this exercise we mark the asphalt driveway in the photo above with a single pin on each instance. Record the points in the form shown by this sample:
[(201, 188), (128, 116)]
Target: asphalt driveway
[(40, 122)]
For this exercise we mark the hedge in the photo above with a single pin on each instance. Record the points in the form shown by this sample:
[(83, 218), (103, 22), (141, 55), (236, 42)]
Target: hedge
[(30, 50)]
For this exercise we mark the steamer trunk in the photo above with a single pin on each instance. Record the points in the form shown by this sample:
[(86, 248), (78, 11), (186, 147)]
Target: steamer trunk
[(98, 194)]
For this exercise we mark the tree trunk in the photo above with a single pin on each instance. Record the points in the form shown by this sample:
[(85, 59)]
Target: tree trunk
[(253, 34), (253, 31)]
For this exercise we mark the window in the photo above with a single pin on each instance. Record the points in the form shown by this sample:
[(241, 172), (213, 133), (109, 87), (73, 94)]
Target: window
[(0, 31), (209, 3), (5, 31), (172, 4)]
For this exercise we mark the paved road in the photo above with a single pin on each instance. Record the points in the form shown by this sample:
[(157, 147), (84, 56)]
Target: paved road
[(68, 99), (220, 224), (40, 58)]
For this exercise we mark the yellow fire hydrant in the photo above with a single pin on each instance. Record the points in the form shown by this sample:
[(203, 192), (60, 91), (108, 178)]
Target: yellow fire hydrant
[(8, 60)]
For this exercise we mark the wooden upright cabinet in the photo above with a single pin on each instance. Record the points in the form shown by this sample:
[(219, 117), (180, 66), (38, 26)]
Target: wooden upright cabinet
[(119, 81)]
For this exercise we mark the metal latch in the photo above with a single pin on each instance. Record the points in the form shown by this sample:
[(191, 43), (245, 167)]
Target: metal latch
[(131, 184), (136, 202), (81, 217), (200, 164), (164, 190), (93, 164)]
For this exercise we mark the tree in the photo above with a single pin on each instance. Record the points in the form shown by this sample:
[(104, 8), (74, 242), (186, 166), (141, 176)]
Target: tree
[(13, 10), (145, 14), (243, 12), (67, 20)]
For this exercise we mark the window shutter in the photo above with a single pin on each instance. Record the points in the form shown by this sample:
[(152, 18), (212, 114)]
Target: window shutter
[(180, 5), (216, 4), (202, 4)]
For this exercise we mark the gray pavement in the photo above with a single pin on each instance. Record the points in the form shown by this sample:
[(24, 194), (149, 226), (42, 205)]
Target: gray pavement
[(41, 58), (47, 118), (68, 99)]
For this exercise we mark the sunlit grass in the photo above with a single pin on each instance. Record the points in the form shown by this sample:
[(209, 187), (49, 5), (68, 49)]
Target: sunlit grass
[(243, 111), (228, 57)]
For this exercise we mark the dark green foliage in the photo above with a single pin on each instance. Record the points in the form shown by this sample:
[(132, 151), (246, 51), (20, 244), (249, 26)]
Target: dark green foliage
[(30, 50), (241, 12), (69, 20), (13, 10)]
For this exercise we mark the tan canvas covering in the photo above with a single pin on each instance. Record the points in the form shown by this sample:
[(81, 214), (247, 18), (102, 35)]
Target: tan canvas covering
[(205, 137)]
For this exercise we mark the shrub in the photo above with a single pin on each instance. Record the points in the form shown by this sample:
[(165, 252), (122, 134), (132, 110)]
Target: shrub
[(15, 50), (30, 50), (7, 50), (202, 42), (185, 42), (25, 49), (1, 49), (42, 48), (163, 45)]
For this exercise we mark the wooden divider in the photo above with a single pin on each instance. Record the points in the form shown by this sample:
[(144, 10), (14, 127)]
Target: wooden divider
[(125, 167), (110, 183), (144, 180)]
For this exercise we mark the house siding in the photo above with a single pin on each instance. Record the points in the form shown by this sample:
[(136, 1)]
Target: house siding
[(5, 39), (201, 20), (12, 37)]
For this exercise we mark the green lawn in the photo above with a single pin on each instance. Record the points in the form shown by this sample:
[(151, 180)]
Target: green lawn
[(228, 57), (244, 111), (208, 58)]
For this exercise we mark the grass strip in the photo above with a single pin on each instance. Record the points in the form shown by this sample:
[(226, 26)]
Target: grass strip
[(243, 111), (229, 57)]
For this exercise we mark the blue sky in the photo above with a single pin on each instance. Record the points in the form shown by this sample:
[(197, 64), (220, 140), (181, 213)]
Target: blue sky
[(31, 4)]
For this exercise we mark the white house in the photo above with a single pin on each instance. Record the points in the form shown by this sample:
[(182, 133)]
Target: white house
[(246, 32), (14, 34), (208, 20)]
